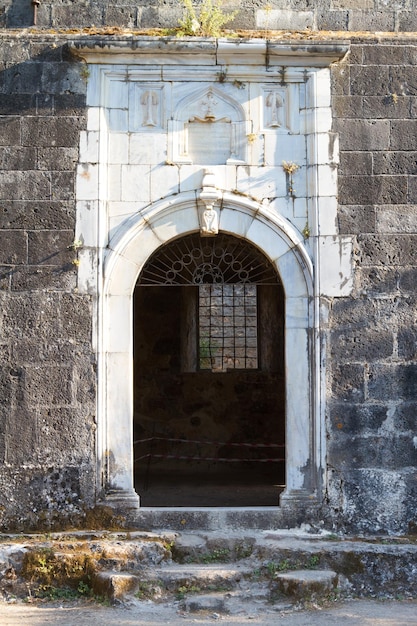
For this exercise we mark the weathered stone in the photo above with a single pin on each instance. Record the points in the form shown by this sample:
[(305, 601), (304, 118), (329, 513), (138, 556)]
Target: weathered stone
[(373, 189), (307, 584), (356, 163), (392, 381), (363, 134), (407, 343), (17, 158), (48, 385), (36, 214), (357, 419), (355, 219), (369, 80), (13, 247), (44, 131), (348, 382), (387, 249), (364, 345), (372, 20), (9, 131), (402, 133), (50, 248)]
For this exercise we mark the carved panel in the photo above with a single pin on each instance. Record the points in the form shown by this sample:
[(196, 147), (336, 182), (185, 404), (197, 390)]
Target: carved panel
[(208, 128), (148, 107)]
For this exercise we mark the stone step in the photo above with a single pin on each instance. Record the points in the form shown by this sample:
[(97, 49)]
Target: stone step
[(302, 585)]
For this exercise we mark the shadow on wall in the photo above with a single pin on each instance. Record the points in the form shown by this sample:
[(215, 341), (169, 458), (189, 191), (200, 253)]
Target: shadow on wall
[(16, 14)]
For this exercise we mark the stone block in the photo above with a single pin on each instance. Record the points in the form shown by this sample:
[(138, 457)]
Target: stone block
[(389, 54), (13, 247), (62, 78), (391, 452), (392, 381), (22, 78), (364, 345), (9, 130), (375, 499), (347, 106), (392, 163), (47, 385), (373, 189), (350, 313), (65, 16), (65, 435), (51, 131), (347, 382), (407, 21), (37, 214), (355, 219), (64, 159), (407, 279), (377, 280), (123, 16), (382, 21), (356, 163), (114, 585), (11, 104), (307, 584), (407, 343), (284, 19), (412, 189), (397, 219), (387, 249), (29, 185), (363, 134), (369, 80), (340, 78), (389, 106), (70, 105), (75, 317), (17, 158), (356, 419), (403, 134), (34, 278), (22, 436), (405, 416), (5, 278), (50, 247), (62, 185), (332, 20)]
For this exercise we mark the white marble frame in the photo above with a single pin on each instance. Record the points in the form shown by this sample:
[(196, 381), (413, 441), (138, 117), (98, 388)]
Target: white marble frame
[(128, 251), (108, 270)]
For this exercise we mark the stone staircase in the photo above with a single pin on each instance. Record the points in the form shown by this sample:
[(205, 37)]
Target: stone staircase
[(221, 572)]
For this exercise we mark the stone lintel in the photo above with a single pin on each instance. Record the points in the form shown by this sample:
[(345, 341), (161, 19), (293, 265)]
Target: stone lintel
[(207, 51)]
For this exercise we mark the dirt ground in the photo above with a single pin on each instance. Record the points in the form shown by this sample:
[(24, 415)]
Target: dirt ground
[(349, 613)]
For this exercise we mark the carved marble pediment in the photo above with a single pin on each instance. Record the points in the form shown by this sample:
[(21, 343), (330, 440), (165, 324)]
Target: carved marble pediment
[(208, 128)]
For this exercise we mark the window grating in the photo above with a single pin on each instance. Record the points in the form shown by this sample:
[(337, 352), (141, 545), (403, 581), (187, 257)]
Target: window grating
[(228, 327)]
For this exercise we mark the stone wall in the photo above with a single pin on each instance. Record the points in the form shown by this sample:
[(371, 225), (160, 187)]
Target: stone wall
[(46, 361), (373, 335), (345, 15)]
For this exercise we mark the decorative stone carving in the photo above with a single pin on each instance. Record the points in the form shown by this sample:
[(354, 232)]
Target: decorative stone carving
[(208, 128), (148, 107), (276, 108), (208, 215), (149, 102)]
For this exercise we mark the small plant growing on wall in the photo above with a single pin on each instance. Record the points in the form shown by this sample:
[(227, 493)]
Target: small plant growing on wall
[(208, 21), (290, 168)]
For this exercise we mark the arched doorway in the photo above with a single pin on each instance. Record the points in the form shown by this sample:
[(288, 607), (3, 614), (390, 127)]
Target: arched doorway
[(128, 252), (209, 376)]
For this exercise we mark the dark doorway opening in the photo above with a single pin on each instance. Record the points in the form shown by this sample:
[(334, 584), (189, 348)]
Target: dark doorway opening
[(209, 384)]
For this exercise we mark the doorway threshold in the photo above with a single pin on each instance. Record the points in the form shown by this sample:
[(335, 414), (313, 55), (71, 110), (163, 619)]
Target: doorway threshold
[(182, 519)]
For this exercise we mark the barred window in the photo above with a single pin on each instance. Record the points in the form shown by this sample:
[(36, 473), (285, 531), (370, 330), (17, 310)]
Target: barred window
[(228, 336)]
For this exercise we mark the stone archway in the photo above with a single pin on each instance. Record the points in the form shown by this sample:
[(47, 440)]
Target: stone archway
[(128, 251), (209, 382)]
